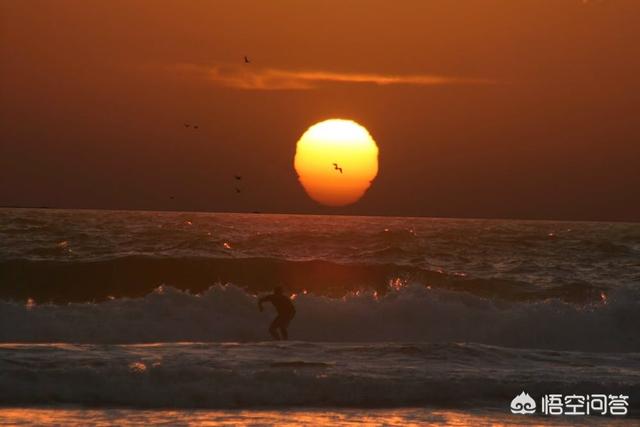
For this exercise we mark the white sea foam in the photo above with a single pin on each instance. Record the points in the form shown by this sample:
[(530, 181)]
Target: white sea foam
[(409, 313)]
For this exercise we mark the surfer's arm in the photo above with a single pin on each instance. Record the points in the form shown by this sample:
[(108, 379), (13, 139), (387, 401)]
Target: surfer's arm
[(263, 299)]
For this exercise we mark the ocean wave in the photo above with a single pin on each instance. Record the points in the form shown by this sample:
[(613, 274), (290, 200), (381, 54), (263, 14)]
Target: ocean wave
[(136, 276), (407, 313), (66, 255), (208, 375)]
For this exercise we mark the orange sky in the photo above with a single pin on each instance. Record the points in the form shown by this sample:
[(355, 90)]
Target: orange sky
[(480, 108)]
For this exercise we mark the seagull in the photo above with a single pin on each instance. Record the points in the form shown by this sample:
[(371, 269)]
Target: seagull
[(336, 167), (246, 60)]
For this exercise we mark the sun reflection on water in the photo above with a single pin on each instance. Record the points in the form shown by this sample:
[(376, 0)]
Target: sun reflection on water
[(283, 417)]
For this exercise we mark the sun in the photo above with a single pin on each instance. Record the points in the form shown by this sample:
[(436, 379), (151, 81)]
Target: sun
[(336, 161)]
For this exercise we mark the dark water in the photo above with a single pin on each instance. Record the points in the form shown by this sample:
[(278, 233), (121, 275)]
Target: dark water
[(303, 374)]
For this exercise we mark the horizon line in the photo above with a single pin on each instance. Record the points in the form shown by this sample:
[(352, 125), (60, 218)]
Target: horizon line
[(469, 218)]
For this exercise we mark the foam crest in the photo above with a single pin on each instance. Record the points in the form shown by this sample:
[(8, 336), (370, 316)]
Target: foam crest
[(406, 313)]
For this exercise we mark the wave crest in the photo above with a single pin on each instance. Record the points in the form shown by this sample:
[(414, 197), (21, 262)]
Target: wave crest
[(409, 313), (136, 276)]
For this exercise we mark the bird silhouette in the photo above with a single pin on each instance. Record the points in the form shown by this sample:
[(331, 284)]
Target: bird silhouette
[(336, 167), (246, 60)]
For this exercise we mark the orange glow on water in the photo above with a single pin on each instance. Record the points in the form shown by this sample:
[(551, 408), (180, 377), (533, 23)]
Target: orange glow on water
[(397, 283), (603, 297), (137, 367), (240, 418)]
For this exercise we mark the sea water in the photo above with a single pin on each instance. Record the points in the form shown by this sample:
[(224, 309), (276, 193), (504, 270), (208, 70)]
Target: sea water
[(126, 316)]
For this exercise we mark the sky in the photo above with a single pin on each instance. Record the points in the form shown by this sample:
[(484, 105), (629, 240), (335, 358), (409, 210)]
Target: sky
[(480, 108)]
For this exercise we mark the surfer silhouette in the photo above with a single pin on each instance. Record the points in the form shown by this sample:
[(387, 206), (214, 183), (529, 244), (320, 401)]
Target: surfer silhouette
[(285, 309)]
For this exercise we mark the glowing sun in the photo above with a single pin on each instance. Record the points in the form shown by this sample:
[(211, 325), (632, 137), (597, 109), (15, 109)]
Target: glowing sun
[(336, 161)]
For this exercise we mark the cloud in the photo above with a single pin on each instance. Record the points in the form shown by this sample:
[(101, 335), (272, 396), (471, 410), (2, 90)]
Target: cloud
[(249, 77)]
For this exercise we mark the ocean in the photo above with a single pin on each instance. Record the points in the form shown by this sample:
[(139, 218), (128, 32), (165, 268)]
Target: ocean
[(130, 317)]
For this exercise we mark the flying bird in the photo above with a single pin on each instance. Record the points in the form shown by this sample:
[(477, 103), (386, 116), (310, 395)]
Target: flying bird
[(336, 167), (246, 60)]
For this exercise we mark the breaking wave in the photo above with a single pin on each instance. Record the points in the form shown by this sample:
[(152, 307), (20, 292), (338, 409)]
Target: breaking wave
[(136, 276), (406, 313)]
